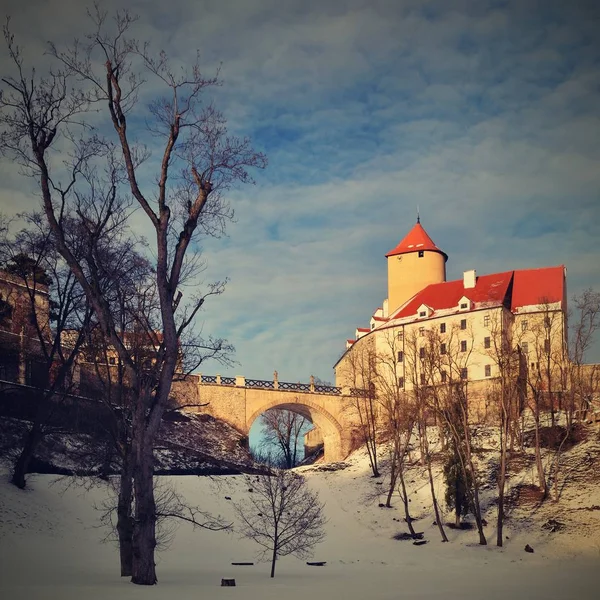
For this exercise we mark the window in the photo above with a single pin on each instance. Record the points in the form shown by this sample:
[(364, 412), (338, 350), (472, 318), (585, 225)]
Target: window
[(401, 382), (464, 373), (487, 342), (372, 326), (524, 325), (486, 321), (442, 348), (463, 346), (525, 348), (547, 322), (442, 327), (463, 323), (464, 305), (421, 331), (423, 313), (421, 253), (488, 370), (444, 376), (401, 335), (400, 356), (422, 378), (546, 346), (112, 360), (422, 353)]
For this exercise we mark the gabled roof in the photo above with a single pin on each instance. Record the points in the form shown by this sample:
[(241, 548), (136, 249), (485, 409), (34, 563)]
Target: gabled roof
[(416, 239), (514, 289), (489, 289), (534, 287)]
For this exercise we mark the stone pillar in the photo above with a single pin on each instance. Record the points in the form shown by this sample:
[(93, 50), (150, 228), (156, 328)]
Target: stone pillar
[(240, 381), (312, 383), (275, 381), (218, 380)]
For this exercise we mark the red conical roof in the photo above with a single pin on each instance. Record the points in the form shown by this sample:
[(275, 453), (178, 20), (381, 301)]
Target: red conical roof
[(417, 239)]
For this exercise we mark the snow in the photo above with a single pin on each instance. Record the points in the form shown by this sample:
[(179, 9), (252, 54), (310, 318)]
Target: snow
[(51, 547)]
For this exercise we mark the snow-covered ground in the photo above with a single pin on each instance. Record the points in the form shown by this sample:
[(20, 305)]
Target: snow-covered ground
[(51, 547)]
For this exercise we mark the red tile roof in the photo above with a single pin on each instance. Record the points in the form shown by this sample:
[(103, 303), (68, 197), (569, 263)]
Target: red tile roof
[(416, 239), (536, 286), (514, 289), (363, 329)]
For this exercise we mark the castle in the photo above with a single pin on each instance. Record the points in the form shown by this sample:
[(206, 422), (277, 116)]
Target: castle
[(428, 332), (463, 325)]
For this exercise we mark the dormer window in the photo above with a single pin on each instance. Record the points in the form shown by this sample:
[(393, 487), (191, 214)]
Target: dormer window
[(424, 311), (464, 304), (421, 253)]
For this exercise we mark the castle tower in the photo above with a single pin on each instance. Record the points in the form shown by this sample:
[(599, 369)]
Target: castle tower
[(413, 264)]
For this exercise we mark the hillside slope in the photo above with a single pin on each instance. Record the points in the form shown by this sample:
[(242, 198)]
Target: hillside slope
[(51, 544)]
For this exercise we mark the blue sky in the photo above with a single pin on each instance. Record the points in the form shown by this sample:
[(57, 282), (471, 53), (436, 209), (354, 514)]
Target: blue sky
[(485, 114)]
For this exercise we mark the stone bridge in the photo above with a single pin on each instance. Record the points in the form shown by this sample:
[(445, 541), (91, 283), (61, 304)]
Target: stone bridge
[(240, 401)]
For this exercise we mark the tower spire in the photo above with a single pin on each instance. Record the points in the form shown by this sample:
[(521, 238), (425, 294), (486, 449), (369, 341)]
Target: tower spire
[(418, 215)]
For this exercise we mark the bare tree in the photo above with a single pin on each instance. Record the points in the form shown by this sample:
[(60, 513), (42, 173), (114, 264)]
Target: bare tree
[(282, 515), (425, 369), (548, 378), (584, 326), (362, 374), (507, 392), (399, 415), (579, 381), (450, 357), (282, 430), (199, 162)]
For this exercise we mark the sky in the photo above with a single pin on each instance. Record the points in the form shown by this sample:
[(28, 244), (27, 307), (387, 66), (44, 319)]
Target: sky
[(485, 115)]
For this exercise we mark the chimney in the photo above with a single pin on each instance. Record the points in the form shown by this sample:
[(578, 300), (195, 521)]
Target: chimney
[(469, 279)]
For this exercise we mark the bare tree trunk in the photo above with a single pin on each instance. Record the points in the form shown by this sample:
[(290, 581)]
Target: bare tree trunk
[(393, 480), (144, 529), (478, 518), (407, 516), (436, 510), (124, 516), (274, 556), (458, 506), (22, 463), (538, 456), (501, 486)]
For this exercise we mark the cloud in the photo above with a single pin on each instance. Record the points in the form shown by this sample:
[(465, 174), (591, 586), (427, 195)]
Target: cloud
[(484, 114)]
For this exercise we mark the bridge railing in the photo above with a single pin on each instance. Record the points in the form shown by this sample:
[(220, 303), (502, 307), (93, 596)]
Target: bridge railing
[(275, 384), (294, 387), (260, 383)]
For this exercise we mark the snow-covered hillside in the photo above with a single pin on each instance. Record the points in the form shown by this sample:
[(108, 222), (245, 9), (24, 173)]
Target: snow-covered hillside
[(187, 443), (51, 547)]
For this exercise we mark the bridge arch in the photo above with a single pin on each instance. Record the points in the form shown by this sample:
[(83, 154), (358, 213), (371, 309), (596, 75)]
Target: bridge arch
[(331, 430)]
